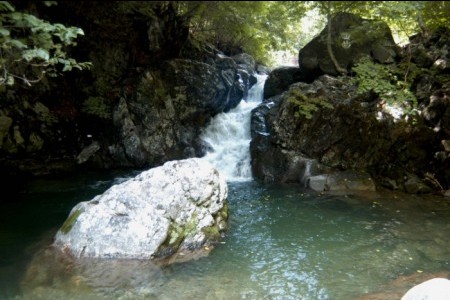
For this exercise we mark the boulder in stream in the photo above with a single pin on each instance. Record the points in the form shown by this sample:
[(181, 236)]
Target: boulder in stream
[(177, 208)]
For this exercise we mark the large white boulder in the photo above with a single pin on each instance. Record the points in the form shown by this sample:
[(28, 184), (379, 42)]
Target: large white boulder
[(433, 289), (178, 206)]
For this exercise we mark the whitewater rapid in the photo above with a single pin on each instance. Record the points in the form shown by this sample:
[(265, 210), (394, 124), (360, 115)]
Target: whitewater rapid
[(228, 136)]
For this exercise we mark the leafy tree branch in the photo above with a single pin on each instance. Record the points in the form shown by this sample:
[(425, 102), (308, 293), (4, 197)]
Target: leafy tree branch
[(32, 48)]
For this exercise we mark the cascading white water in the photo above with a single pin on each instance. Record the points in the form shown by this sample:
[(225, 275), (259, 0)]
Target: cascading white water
[(228, 135)]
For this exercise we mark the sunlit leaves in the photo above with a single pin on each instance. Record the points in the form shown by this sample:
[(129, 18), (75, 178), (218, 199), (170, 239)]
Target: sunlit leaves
[(256, 27), (436, 13), (6, 7), (4, 32), (402, 16), (260, 27), (31, 47), (263, 27), (37, 53), (383, 80)]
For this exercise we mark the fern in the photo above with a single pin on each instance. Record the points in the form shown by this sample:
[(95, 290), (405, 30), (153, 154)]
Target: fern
[(96, 106), (306, 106)]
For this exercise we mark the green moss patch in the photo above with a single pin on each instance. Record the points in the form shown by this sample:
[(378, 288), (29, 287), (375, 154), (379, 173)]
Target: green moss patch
[(212, 233), (224, 211), (68, 224)]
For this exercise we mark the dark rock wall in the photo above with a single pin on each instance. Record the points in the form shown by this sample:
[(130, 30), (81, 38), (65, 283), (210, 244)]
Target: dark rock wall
[(150, 91), (358, 132)]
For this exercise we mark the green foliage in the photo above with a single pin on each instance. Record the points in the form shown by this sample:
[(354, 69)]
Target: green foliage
[(31, 48), (383, 80), (144, 8), (48, 118), (436, 14), (261, 28), (306, 105), (403, 17), (255, 27), (372, 33), (96, 106)]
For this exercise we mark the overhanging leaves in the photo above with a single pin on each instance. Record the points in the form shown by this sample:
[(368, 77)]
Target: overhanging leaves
[(31, 47)]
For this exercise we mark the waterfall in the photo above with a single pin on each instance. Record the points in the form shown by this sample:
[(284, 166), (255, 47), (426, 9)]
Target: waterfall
[(228, 135)]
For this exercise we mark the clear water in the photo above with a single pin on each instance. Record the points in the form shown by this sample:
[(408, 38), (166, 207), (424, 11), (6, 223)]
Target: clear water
[(283, 242)]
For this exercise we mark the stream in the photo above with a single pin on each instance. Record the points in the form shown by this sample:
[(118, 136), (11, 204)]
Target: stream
[(283, 241)]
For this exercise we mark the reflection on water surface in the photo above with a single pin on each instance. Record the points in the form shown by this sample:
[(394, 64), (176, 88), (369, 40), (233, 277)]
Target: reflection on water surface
[(283, 243)]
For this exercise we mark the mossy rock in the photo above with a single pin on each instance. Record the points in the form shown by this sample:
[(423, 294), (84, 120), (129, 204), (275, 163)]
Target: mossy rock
[(68, 224), (176, 235), (223, 213), (212, 232)]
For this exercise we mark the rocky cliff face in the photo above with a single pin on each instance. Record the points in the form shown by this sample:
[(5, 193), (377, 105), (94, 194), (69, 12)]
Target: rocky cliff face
[(150, 91), (321, 125), (162, 119)]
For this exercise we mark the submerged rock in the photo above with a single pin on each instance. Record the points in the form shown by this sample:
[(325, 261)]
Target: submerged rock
[(54, 275), (342, 181), (180, 206)]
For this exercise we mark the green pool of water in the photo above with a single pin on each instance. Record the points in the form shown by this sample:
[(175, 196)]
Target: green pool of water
[(283, 242)]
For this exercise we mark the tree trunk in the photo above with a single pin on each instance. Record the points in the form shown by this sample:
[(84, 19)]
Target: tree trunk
[(329, 42)]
